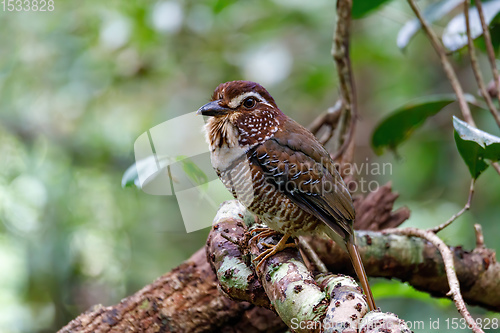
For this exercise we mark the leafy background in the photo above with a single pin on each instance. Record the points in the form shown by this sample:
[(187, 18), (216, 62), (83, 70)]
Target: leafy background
[(79, 84)]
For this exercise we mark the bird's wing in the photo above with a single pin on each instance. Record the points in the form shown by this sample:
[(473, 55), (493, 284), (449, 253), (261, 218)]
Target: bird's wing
[(296, 162)]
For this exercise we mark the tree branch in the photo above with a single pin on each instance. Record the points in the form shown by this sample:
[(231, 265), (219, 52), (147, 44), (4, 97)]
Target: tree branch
[(448, 68), (385, 255), (187, 299), (418, 262), (475, 66), (489, 46), (340, 53), (305, 302), (449, 266), (184, 300)]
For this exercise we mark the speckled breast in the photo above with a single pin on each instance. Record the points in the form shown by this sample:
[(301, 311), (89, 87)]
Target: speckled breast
[(249, 184)]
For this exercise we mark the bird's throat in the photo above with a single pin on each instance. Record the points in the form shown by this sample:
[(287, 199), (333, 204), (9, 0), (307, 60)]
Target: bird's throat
[(223, 139), (221, 133)]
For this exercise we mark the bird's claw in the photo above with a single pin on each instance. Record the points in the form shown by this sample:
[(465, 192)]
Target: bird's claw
[(262, 233), (272, 250)]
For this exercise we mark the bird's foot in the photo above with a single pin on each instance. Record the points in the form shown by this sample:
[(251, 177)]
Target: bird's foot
[(273, 249), (262, 233)]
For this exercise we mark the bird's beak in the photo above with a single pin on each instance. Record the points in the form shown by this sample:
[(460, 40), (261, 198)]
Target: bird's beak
[(213, 109)]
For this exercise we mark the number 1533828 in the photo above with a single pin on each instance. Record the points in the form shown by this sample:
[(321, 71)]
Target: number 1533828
[(27, 5)]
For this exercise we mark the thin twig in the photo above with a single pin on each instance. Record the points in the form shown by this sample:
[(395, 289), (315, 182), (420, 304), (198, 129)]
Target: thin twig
[(489, 46), (491, 57), (449, 266), (448, 68), (337, 135), (479, 236), (340, 53), (312, 255), (326, 136), (496, 166), (328, 120), (454, 217), (475, 67)]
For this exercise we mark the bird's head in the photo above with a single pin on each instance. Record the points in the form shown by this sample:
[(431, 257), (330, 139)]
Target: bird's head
[(241, 113)]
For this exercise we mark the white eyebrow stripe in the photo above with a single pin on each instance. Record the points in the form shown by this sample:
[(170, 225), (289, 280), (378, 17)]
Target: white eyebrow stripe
[(237, 100)]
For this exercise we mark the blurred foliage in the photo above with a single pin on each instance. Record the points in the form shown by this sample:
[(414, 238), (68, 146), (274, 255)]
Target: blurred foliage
[(78, 85), (455, 33), (363, 8), (400, 124), (431, 13)]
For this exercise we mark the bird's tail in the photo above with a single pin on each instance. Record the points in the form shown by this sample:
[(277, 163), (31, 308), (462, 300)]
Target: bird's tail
[(348, 243), (352, 249)]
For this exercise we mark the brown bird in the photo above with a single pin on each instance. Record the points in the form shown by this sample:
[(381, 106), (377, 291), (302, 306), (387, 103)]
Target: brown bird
[(278, 170)]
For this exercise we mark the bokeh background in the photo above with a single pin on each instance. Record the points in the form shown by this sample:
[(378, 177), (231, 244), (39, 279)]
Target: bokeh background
[(79, 84)]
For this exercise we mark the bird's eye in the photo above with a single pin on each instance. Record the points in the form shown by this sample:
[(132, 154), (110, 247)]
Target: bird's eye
[(249, 102)]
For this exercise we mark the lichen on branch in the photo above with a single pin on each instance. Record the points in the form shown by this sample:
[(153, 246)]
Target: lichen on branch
[(304, 301)]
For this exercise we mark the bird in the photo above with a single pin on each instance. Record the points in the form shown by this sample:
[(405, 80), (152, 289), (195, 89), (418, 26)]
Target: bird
[(278, 170)]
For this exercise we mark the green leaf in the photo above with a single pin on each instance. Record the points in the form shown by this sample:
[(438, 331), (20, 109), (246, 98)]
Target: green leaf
[(130, 177), (220, 5), (455, 33), (431, 13), (495, 39), (361, 8), (194, 173), (146, 167), (475, 146), (401, 123)]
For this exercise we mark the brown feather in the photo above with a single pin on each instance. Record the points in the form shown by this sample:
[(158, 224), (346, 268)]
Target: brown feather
[(303, 170)]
